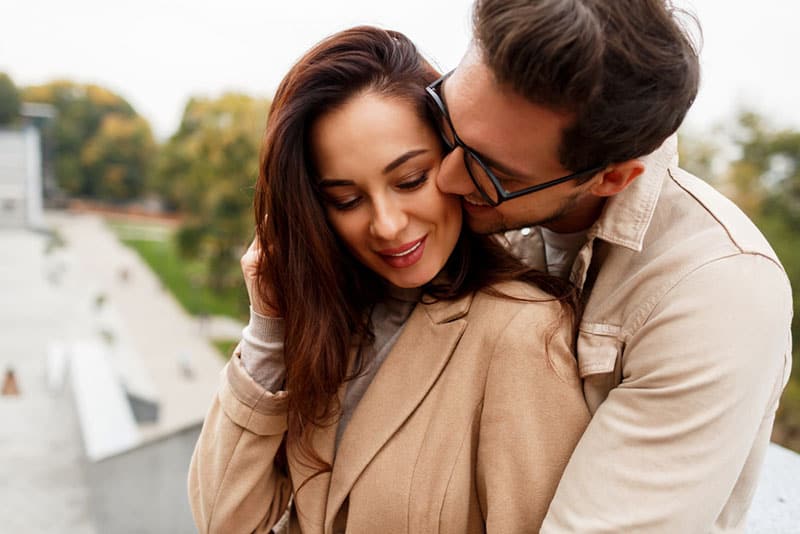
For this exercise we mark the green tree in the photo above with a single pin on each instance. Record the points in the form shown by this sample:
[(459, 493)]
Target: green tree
[(116, 159), (9, 100), (207, 170), (103, 149)]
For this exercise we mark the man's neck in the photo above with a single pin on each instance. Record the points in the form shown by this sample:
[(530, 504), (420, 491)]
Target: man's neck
[(579, 217)]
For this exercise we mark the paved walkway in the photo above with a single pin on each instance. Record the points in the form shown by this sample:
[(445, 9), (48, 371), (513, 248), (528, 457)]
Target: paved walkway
[(65, 296), (147, 324), (43, 488)]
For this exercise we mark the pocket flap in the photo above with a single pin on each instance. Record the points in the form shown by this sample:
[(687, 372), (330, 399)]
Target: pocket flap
[(597, 350)]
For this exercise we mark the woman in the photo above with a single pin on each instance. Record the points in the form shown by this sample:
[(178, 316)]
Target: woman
[(419, 378)]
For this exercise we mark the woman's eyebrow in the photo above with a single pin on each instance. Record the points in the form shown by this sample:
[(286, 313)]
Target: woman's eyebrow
[(402, 159), (333, 182), (330, 182)]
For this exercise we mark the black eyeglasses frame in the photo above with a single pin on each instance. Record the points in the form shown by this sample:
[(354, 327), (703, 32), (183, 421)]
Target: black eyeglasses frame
[(503, 195)]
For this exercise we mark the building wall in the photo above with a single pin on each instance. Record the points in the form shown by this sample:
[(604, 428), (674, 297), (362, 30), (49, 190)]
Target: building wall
[(20, 178), (143, 491)]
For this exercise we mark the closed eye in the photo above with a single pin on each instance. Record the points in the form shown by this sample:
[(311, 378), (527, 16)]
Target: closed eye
[(413, 184), (343, 204), (511, 184)]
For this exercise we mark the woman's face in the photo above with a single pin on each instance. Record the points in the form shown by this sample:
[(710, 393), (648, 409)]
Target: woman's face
[(377, 161)]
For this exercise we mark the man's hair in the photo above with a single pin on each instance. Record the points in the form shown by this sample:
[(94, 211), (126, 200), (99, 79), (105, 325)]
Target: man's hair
[(626, 69)]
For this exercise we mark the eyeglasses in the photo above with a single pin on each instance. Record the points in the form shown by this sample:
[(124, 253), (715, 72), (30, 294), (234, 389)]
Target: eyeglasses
[(488, 185)]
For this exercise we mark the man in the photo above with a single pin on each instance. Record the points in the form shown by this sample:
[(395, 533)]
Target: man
[(561, 118)]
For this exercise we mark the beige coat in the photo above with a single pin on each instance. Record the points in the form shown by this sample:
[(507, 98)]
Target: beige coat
[(466, 427)]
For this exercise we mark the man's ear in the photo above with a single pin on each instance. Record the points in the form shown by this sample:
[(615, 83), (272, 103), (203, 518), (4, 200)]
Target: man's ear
[(616, 178)]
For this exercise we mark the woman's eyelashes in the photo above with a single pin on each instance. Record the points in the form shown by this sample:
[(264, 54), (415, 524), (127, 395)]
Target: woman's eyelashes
[(414, 183), (349, 202), (344, 205)]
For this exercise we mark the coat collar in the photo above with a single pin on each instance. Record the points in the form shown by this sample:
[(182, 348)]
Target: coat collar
[(420, 354), (627, 216)]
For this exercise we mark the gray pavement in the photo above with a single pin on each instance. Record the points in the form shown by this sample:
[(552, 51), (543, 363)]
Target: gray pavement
[(154, 339), (41, 454), (50, 297)]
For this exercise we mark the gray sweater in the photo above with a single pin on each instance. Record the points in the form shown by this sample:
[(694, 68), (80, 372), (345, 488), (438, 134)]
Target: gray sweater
[(262, 349)]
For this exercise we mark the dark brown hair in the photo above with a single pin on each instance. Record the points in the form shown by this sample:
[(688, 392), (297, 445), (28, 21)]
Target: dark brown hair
[(324, 294), (627, 69)]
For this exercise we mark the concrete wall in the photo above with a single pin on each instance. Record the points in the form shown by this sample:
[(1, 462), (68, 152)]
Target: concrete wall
[(20, 178), (143, 491)]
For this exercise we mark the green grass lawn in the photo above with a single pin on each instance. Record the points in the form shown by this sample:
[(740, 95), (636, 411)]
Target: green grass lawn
[(184, 278)]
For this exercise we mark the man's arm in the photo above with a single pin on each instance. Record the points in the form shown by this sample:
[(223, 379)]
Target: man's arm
[(700, 384)]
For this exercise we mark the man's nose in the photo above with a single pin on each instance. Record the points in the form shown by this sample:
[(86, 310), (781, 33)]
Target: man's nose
[(388, 219), (453, 176)]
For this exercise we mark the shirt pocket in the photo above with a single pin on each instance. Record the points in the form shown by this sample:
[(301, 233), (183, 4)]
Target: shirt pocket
[(599, 350)]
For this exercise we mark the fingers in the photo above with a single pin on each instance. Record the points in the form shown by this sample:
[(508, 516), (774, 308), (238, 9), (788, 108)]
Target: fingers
[(255, 247), (247, 259)]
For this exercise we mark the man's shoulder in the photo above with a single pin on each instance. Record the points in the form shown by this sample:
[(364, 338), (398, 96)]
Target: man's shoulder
[(708, 215), (694, 230)]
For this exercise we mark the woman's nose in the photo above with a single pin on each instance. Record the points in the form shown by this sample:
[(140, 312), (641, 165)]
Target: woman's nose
[(388, 220)]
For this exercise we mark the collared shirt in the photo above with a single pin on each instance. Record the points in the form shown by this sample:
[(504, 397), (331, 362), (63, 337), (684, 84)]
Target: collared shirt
[(684, 346), (561, 249)]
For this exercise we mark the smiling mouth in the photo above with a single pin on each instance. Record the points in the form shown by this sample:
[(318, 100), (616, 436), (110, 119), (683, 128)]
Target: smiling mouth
[(405, 250)]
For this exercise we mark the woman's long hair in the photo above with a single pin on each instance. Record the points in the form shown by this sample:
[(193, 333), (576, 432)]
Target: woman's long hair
[(324, 294)]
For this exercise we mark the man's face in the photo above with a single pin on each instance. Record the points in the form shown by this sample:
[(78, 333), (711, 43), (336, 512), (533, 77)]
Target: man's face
[(519, 141)]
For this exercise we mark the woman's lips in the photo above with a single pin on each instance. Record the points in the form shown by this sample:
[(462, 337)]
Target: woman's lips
[(405, 255)]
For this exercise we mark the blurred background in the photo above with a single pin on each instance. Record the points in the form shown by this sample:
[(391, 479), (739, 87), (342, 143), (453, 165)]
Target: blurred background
[(129, 135)]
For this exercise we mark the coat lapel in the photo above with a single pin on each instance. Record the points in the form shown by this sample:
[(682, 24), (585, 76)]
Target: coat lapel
[(405, 377)]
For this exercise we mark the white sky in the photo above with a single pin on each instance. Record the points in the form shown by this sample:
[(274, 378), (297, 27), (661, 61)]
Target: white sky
[(158, 53)]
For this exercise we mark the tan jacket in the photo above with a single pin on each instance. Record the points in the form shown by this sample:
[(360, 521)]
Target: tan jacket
[(684, 347), (466, 427)]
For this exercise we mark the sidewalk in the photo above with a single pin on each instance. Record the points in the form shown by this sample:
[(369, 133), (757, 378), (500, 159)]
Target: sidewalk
[(44, 488), (145, 321), (68, 296)]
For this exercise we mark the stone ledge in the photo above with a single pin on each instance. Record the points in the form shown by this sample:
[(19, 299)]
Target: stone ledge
[(776, 505)]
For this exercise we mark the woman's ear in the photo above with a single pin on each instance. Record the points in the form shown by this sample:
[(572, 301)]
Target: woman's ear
[(617, 177)]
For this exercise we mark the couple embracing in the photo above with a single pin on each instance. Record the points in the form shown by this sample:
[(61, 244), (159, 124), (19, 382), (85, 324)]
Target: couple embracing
[(490, 300)]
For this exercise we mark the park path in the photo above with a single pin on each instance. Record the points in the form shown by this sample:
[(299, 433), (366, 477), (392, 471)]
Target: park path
[(146, 320), (43, 486), (51, 297)]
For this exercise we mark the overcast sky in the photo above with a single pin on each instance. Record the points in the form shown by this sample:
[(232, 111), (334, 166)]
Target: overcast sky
[(157, 53)]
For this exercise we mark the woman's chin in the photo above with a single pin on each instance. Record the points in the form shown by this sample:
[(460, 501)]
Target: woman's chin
[(414, 280)]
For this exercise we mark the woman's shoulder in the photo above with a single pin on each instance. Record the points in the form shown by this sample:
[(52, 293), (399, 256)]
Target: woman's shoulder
[(516, 293), (525, 321), (503, 301)]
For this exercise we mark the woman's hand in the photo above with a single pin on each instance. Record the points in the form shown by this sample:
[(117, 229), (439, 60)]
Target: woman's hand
[(262, 304)]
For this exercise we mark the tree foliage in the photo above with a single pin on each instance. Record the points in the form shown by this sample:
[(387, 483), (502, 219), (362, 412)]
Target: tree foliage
[(207, 171), (103, 149), (9, 100)]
